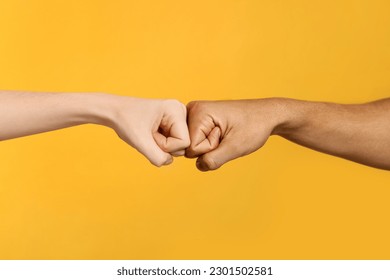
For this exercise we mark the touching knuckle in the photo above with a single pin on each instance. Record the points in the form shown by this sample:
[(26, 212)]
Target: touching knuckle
[(186, 143), (190, 153), (194, 149), (194, 106), (191, 104), (173, 103)]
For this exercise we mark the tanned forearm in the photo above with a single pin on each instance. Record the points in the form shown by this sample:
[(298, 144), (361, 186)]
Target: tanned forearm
[(360, 133)]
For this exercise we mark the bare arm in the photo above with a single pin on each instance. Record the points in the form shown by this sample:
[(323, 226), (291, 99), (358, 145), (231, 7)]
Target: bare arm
[(156, 128), (224, 130), (360, 133), (25, 113)]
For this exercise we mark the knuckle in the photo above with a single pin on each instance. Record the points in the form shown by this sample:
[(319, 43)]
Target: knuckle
[(186, 143), (184, 108), (191, 104), (189, 153), (178, 153), (163, 146), (194, 106), (158, 161), (173, 103), (210, 163), (194, 149)]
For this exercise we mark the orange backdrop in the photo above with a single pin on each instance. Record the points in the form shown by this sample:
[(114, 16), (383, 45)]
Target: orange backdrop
[(82, 193)]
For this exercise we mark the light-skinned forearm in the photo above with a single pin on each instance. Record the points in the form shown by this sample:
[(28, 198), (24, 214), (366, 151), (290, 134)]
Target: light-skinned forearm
[(24, 113), (360, 133)]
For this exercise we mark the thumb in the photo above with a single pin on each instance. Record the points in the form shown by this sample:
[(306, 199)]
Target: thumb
[(226, 151), (209, 143), (171, 144), (149, 148)]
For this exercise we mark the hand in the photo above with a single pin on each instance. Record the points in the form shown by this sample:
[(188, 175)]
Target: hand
[(221, 131), (156, 128)]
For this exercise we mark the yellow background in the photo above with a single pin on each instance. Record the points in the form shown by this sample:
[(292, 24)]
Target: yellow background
[(82, 193)]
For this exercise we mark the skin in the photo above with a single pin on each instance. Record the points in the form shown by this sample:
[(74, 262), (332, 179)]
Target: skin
[(221, 131), (156, 128)]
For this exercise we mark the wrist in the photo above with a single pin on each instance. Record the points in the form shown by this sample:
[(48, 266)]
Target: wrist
[(289, 115), (98, 108)]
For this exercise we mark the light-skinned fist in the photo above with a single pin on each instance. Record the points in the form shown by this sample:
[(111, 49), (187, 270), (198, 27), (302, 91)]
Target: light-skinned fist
[(157, 128)]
